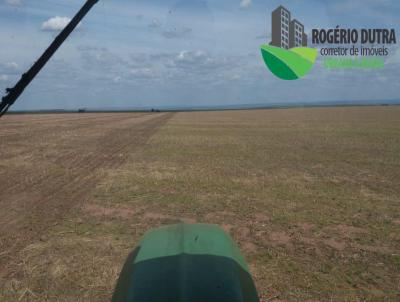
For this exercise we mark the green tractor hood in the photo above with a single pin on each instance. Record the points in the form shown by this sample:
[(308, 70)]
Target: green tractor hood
[(185, 263)]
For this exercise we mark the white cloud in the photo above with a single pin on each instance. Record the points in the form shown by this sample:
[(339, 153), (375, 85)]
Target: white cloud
[(176, 32), (3, 77), (200, 62), (56, 23), (117, 79), (14, 2), (155, 23), (9, 68), (142, 73), (245, 3), (11, 65)]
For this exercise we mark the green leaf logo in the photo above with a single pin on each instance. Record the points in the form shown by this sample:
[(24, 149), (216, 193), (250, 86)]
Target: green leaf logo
[(289, 64)]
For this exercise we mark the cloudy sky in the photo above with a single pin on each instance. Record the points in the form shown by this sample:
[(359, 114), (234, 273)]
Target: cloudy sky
[(130, 53)]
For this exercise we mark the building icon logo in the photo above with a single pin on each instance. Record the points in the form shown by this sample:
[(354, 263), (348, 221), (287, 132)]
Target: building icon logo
[(287, 55), (287, 33)]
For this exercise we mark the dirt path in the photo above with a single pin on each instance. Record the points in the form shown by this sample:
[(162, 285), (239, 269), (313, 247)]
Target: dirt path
[(53, 164)]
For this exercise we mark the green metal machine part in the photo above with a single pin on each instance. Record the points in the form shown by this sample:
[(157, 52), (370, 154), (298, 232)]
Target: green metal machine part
[(186, 262)]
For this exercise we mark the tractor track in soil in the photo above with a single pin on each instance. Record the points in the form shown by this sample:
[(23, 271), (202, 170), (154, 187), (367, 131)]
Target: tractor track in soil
[(33, 199)]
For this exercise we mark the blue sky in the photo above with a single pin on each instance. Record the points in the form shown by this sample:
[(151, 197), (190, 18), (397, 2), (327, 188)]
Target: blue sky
[(131, 53)]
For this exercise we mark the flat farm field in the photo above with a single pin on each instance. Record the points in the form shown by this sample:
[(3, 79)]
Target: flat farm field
[(311, 196)]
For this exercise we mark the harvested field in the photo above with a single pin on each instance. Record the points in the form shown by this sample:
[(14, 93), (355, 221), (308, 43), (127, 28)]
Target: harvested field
[(50, 164), (311, 196)]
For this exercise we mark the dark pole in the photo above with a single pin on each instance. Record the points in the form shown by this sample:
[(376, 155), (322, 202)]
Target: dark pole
[(12, 94)]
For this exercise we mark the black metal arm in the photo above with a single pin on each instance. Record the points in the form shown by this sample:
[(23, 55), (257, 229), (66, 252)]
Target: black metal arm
[(12, 94)]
